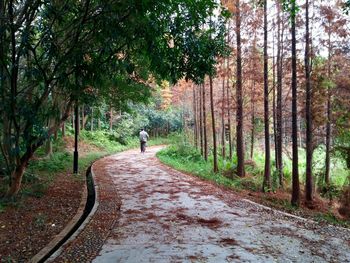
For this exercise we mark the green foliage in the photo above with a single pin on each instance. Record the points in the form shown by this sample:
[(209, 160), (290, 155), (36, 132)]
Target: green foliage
[(291, 7), (95, 52), (59, 161), (106, 141), (330, 218), (40, 220), (181, 155), (184, 152)]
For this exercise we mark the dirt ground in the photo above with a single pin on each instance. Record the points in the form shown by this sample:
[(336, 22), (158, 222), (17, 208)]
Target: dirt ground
[(167, 216), (30, 225)]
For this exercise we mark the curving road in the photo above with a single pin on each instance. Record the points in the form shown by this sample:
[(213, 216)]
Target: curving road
[(167, 216)]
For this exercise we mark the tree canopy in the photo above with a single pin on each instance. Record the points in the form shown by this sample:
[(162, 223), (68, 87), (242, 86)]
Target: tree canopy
[(58, 53)]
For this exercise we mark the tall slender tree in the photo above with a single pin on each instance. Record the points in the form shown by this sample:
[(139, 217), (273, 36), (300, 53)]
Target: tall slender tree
[(195, 131), (215, 154), (279, 72), (295, 169), (267, 170), (223, 105), (228, 90), (204, 123), (201, 119), (308, 111), (239, 96)]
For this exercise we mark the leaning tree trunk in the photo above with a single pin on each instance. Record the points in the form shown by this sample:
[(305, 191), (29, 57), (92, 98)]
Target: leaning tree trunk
[(16, 178)]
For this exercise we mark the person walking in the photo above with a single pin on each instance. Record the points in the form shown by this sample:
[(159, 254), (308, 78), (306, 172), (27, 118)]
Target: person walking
[(143, 140)]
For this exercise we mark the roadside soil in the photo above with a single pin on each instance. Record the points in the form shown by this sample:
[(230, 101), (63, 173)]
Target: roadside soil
[(30, 224)]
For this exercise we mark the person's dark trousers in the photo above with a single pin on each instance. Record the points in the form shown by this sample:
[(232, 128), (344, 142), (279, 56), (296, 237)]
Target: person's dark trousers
[(143, 147)]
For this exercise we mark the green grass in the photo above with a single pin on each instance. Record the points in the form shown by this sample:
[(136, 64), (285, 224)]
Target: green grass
[(186, 159), (183, 156), (330, 218)]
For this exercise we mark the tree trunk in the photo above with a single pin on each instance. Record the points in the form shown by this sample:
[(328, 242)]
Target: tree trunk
[(216, 169), (328, 124), (195, 118), (252, 135), (308, 117), (295, 173), (223, 141), (274, 101), (328, 140), (239, 98), (205, 126), (279, 135), (228, 110), (267, 172), (16, 179), (201, 119)]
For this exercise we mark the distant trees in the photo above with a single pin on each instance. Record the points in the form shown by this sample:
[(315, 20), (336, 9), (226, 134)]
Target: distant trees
[(294, 75)]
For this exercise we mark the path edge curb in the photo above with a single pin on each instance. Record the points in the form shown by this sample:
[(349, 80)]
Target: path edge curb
[(53, 249)]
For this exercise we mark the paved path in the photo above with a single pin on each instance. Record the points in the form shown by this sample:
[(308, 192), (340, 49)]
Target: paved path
[(166, 216)]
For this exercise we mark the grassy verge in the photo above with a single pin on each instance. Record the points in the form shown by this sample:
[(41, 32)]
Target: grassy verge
[(184, 157)]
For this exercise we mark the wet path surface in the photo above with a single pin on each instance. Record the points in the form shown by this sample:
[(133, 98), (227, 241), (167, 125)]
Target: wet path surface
[(166, 216)]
